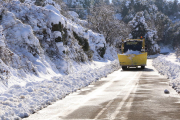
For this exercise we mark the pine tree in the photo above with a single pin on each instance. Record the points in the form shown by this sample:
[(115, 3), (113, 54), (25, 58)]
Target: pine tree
[(139, 28), (132, 4), (159, 4), (175, 6), (107, 2), (124, 10)]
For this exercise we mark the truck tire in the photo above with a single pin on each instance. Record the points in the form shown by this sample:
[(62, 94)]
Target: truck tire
[(142, 67), (124, 67)]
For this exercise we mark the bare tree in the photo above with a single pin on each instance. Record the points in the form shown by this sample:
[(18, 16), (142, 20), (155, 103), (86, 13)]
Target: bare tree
[(102, 20)]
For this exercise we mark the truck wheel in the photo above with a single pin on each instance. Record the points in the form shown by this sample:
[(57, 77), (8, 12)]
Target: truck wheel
[(142, 67), (124, 67)]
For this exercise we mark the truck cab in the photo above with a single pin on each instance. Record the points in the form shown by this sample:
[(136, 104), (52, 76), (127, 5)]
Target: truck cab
[(133, 53)]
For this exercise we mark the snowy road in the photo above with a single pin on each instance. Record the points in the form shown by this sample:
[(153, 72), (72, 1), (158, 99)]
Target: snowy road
[(133, 94)]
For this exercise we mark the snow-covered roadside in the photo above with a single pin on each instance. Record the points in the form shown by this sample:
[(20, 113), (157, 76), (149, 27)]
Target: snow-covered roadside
[(19, 102), (44, 56), (169, 66)]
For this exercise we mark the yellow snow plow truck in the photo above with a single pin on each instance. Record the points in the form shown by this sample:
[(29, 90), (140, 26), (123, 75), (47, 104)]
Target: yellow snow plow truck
[(133, 53)]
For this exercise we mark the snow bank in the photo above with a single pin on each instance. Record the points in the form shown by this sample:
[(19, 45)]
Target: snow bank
[(170, 67), (19, 102)]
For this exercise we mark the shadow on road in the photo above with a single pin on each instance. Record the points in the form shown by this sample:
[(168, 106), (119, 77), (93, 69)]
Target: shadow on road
[(138, 69)]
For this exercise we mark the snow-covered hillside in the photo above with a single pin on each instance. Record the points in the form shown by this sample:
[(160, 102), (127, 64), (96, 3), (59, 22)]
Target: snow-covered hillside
[(40, 43), (44, 56)]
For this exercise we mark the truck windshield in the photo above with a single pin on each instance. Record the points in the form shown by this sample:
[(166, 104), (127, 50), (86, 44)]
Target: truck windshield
[(132, 45)]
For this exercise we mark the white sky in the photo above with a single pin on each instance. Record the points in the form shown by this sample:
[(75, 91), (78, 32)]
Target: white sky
[(172, 0), (167, 0)]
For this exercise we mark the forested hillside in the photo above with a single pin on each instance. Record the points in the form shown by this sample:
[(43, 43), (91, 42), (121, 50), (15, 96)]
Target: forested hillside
[(114, 19), (161, 15)]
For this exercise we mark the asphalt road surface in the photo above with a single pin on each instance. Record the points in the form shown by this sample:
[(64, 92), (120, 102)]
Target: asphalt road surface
[(134, 94)]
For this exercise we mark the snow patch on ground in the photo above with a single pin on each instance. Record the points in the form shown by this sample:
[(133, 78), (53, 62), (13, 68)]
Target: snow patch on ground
[(166, 49), (152, 56), (163, 50)]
